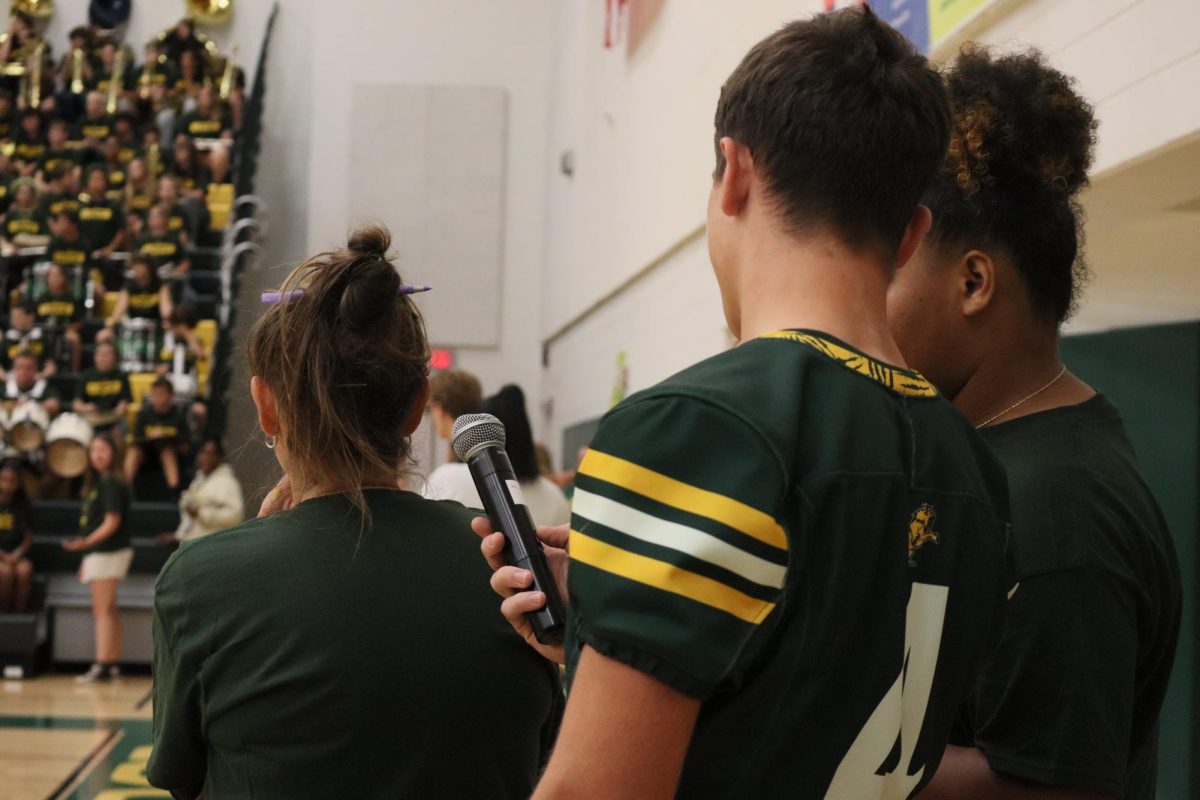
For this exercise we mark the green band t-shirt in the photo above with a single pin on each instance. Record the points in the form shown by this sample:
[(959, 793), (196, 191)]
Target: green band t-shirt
[(110, 495), (152, 426), (106, 389), (15, 520), (310, 654)]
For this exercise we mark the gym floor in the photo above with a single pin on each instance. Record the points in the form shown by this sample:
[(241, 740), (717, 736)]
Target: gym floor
[(63, 741)]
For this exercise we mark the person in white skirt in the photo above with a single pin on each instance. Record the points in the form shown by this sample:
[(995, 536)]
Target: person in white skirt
[(104, 539)]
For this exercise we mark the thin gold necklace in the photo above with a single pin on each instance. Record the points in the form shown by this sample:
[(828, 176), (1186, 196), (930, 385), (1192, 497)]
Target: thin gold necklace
[(1023, 400)]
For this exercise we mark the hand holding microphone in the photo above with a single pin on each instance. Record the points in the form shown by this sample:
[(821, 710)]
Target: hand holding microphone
[(478, 440)]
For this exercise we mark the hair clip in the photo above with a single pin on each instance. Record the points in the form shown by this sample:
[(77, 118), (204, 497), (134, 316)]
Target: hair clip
[(270, 298)]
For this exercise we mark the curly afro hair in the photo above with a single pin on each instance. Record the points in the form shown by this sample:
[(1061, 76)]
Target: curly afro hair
[(1021, 144)]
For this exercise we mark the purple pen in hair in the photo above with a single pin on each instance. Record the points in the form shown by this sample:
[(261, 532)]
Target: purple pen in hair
[(295, 294)]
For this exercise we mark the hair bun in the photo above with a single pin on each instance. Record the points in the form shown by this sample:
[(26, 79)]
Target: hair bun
[(370, 240), (1019, 123)]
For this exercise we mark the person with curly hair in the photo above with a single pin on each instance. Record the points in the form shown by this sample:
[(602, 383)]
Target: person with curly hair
[(1068, 703)]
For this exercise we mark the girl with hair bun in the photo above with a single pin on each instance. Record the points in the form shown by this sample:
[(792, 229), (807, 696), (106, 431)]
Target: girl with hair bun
[(1069, 701), (346, 645)]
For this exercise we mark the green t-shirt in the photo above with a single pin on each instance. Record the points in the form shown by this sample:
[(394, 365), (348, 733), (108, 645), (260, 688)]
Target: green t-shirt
[(198, 126), (811, 542), (37, 341), (98, 129), (100, 220), (15, 520), (108, 496), (164, 249), (1071, 696), (54, 203), (143, 300), (69, 254), (303, 655), (29, 222), (54, 160), (105, 389), (153, 426), (59, 309)]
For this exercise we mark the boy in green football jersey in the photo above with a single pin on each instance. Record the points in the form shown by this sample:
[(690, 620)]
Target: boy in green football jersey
[(788, 561)]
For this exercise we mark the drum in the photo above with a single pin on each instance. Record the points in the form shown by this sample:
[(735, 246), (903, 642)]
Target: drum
[(139, 345), (67, 450), (27, 424)]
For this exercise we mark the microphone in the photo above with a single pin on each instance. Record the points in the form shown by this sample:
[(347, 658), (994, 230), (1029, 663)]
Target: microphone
[(478, 440)]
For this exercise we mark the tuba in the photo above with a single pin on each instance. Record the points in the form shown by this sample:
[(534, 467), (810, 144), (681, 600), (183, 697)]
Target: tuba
[(38, 9), (210, 12)]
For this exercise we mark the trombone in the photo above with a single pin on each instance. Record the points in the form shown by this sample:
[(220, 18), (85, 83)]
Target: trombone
[(77, 71), (116, 80)]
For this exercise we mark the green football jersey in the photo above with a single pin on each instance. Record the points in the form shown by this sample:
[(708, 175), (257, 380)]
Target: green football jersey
[(1092, 629), (811, 542)]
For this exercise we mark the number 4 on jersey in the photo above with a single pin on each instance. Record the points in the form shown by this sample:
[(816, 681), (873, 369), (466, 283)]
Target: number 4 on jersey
[(901, 712)]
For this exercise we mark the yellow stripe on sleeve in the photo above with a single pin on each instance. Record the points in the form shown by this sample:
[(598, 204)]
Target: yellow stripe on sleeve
[(685, 497), (668, 578)]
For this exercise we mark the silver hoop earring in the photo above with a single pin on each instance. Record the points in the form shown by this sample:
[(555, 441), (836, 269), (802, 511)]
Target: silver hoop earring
[(270, 442)]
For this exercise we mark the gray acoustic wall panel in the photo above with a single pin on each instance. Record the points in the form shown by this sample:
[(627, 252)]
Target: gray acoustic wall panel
[(428, 161)]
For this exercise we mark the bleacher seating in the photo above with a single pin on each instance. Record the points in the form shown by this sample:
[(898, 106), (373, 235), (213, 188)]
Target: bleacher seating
[(60, 619)]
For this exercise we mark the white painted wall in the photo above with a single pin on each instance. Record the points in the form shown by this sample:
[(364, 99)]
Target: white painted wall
[(455, 43), (641, 131)]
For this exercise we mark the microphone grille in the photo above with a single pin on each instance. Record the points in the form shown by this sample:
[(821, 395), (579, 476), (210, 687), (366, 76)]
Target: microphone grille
[(474, 430)]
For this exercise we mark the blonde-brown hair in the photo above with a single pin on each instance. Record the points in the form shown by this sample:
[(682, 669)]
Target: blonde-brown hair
[(346, 361)]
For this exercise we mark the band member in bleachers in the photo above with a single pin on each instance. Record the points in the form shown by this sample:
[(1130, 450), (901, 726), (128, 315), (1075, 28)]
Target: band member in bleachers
[(96, 124), (108, 57), (16, 539), (187, 86), (179, 216), (61, 194), (139, 190), (23, 335), (125, 129), (24, 385), (210, 120), (163, 246), (59, 157), (218, 196), (144, 296), (76, 73), (111, 151), (160, 429), (30, 141), (61, 309), (103, 395), (23, 221), (101, 220), (186, 167), (105, 540)]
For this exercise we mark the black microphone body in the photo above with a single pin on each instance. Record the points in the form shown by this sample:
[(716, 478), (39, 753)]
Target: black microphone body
[(502, 500)]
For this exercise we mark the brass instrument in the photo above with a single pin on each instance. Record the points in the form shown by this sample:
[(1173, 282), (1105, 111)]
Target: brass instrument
[(116, 80), (228, 74), (210, 12), (39, 9), (147, 78), (153, 161), (77, 71), (35, 75)]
